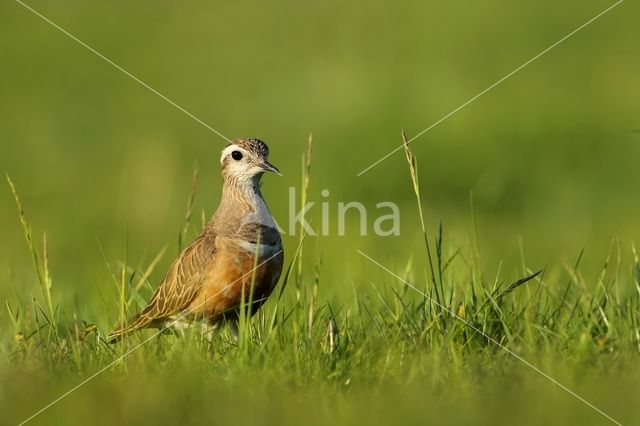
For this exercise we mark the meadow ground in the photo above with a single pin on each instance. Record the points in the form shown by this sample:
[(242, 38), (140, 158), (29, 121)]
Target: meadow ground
[(436, 325)]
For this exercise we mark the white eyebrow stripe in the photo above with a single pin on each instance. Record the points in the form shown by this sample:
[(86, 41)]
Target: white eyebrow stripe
[(227, 151)]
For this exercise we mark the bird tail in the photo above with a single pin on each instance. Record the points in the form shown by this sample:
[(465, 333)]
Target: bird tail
[(137, 322)]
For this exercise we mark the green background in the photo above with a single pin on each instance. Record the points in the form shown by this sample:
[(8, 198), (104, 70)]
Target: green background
[(549, 156)]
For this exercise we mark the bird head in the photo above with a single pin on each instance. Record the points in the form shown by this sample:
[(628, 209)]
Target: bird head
[(244, 160)]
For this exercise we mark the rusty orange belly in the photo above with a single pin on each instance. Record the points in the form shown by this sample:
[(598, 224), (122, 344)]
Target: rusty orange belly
[(231, 273)]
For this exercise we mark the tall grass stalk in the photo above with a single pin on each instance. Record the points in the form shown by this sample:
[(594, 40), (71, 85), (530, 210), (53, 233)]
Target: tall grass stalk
[(298, 310), (182, 236), (413, 172), (42, 270), (304, 193)]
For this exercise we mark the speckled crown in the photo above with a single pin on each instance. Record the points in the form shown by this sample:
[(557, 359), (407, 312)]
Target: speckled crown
[(253, 145)]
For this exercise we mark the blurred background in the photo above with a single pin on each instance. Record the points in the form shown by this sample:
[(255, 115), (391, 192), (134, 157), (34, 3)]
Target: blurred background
[(104, 166)]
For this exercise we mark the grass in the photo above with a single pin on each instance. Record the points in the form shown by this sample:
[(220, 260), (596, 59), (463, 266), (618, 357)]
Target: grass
[(430, 344)]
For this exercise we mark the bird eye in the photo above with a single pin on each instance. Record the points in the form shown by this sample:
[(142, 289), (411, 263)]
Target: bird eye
[(236, 155)]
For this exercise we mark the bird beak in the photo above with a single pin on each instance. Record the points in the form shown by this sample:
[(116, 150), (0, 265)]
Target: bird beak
[(270, 168)]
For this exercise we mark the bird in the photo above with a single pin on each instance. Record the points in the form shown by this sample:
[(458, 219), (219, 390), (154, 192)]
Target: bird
[(239, 246)]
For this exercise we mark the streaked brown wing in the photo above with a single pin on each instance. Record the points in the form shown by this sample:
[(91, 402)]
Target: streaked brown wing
[(179, 287), (184, 279)]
